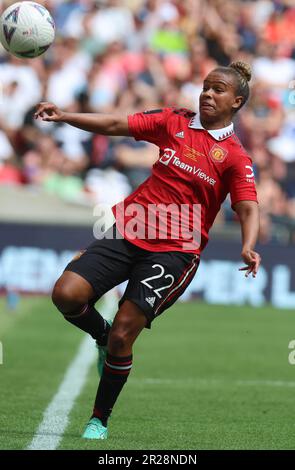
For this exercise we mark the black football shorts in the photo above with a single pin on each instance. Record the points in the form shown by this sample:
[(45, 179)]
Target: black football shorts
[(155, 279)]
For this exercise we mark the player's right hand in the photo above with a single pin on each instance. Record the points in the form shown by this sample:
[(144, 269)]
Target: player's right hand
[(48, 112)]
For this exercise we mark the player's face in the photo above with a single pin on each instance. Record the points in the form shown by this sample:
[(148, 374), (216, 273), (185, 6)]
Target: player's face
[(218, 99)]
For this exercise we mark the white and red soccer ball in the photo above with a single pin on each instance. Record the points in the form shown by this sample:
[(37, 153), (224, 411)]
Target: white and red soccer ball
[(26, 29)]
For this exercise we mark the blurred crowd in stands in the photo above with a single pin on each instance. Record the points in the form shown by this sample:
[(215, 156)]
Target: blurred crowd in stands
[(133, 55)]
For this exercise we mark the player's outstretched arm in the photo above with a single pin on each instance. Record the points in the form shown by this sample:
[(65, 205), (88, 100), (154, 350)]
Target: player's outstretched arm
[(248, 213), (107, 124)]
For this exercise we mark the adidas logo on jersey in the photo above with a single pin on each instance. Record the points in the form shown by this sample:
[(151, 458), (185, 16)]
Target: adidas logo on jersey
[(180, 134), (150, 300)]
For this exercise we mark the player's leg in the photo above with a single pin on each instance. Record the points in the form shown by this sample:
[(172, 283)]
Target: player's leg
[(105, 264), (148, 294), (74, 298), (129, 322)]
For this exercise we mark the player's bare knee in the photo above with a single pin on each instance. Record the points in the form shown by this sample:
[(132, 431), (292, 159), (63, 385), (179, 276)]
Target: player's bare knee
[(59, 297), (66, 298), (119, 339)]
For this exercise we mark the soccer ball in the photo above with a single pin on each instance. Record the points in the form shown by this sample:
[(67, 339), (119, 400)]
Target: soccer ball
[(26, 29)]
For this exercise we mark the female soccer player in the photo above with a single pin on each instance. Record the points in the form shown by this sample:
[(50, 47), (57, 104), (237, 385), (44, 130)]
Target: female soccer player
[(162, 227)]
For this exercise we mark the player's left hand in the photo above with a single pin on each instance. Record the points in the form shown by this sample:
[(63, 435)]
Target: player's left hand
[(252, 260)]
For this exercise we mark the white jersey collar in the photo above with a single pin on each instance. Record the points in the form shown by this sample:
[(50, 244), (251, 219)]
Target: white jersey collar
[(217, 134)]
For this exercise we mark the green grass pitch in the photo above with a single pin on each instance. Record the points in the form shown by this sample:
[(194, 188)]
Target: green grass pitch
[(204, 377)]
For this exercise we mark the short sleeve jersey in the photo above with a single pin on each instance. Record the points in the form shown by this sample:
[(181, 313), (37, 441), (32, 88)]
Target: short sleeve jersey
[(175, 207)]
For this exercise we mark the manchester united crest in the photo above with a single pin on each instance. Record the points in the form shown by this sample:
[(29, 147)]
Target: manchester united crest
[(218, 154)]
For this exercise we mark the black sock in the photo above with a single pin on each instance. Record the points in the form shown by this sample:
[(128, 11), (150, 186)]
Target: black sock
[(89, 320), (115, 375)]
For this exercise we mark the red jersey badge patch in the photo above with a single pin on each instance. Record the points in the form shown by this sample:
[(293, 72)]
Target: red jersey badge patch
[(218, 154)]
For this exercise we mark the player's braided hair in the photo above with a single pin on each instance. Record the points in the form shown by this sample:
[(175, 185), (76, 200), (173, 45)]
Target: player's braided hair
[(242, 73)]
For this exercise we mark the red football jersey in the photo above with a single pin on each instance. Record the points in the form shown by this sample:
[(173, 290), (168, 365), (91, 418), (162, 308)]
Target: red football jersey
[(175, 207)]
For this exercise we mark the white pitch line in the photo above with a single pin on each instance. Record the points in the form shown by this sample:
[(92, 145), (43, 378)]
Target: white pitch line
[(56, 415), (199, 382), (267, 383)]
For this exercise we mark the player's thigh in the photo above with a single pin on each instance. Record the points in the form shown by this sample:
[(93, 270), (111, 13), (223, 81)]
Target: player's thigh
[(104, 264), (157, 280)]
